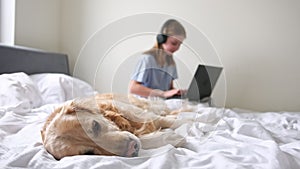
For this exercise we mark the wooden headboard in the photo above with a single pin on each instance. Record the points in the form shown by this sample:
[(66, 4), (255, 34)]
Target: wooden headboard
[(31, 61)]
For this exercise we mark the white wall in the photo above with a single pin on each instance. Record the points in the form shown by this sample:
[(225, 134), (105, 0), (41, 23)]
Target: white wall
[(38, 24), (257, 43), (7, 24)]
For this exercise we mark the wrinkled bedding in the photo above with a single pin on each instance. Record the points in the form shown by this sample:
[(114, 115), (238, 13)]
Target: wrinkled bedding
[(216, 137)]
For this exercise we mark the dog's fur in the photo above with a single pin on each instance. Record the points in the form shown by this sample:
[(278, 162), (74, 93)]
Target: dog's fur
[(109, 124)]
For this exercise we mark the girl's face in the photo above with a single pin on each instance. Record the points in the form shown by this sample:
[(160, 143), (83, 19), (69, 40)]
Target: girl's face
[(172, 44)]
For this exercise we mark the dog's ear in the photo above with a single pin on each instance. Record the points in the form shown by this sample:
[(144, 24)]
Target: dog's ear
[(68, 108)]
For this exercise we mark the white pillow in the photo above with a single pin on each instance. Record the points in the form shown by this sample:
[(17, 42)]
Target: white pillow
[(18, 90), (57, 88)]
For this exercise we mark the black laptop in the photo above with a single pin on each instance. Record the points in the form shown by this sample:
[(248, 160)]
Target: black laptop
[(202, 84)]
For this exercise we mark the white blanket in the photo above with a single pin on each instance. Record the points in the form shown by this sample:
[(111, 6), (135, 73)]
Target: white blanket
[(217, 138)]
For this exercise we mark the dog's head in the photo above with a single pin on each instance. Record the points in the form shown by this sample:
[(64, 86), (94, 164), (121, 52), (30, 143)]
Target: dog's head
[(77, 128)]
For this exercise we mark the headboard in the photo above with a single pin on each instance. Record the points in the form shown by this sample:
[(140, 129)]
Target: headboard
[(31, 61)]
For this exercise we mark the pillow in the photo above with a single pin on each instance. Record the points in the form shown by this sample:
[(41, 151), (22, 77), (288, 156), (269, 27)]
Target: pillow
[(58, 88), (18, 90)]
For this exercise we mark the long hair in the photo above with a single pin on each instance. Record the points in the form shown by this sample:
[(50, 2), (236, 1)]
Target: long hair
[(170, 28)]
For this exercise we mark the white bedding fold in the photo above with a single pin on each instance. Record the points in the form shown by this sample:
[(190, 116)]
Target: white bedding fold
[(217, 138)]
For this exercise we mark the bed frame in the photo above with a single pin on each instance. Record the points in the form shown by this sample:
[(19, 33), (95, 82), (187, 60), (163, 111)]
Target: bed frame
[(31, 61)]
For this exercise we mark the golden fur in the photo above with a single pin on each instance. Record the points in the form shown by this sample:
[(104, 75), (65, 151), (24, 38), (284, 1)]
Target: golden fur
[(108, 124)]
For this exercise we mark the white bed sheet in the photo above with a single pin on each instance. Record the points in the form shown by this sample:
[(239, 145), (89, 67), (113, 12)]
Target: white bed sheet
[(217, 138)]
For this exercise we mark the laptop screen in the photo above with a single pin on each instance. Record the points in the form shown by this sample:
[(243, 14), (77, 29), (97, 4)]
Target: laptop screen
[(203, 82)]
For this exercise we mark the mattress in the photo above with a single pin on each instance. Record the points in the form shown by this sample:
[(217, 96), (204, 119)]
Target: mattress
[(215, 138)]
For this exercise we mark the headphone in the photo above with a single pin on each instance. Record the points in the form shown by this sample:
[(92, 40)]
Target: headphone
[(161, 38)]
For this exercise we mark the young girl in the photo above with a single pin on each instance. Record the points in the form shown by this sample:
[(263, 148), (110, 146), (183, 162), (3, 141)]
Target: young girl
[(156, 69)]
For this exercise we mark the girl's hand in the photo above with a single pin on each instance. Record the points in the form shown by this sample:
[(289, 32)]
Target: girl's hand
[(171, 93)]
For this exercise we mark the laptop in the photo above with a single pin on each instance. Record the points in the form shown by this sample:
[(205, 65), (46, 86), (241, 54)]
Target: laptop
[(202, 84)]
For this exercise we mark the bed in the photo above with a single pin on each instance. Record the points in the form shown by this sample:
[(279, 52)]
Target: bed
[(34, 83)]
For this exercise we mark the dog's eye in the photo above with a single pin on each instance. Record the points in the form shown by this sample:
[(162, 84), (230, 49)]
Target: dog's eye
[(96, 127)]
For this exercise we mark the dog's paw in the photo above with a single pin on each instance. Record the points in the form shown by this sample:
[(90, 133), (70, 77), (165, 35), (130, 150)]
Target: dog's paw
[(174, 139), (179, 122)]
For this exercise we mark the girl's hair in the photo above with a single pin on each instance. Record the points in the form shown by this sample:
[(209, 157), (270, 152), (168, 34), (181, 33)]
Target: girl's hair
[(170, 27)]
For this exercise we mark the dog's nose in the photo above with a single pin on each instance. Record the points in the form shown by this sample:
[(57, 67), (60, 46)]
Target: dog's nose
[(133, 148)]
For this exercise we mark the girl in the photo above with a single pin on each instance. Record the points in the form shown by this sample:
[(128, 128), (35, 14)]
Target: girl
[(156, 70)]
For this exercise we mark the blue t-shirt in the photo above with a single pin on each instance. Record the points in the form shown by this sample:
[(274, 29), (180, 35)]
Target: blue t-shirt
[(151, 75)]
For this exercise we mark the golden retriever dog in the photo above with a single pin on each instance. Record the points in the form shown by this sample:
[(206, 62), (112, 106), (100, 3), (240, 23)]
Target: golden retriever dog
[(109, 124)]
